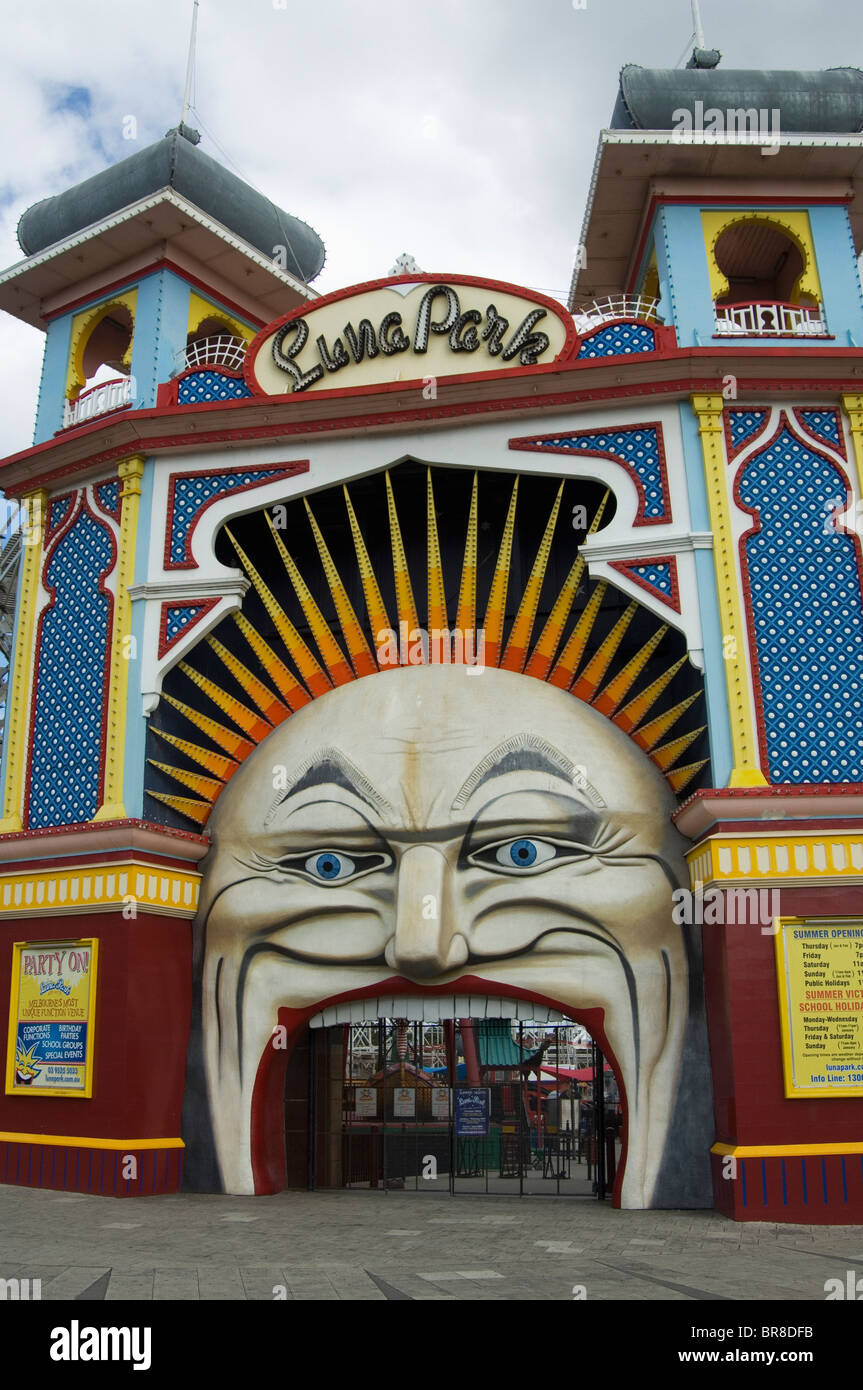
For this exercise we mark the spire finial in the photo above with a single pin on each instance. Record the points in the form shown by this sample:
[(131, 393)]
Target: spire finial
[(190, 66)]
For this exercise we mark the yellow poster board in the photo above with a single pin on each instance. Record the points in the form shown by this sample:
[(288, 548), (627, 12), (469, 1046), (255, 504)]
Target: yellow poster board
[(51, 1014), (819, 963)]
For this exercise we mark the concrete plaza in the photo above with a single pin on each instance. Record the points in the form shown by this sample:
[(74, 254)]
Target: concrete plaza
[(406, 1246)]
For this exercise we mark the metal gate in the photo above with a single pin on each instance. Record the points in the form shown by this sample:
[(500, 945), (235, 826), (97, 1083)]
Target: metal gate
[(463, 1106)]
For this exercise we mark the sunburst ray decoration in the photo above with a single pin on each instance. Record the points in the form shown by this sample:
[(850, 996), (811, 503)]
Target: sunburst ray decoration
[(578, 650)]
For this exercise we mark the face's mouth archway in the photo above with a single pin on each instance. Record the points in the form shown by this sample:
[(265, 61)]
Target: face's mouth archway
[(406, 836)]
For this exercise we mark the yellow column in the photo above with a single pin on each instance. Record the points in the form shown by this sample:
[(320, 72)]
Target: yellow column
[(21, 675), (746, 771), (112, 808), (853, 407)]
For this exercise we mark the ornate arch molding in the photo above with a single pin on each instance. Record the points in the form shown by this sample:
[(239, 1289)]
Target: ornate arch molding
[(794, 225), (83, 327)]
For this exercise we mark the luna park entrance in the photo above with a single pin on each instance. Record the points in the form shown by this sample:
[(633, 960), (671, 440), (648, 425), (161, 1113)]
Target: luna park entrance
[(468, 1105)]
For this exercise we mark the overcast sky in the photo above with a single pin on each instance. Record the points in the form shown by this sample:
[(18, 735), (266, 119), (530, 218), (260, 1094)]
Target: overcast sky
[(461, 131)]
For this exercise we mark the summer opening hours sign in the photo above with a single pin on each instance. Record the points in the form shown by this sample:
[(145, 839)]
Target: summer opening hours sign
[(820, 969), (51, 1011)]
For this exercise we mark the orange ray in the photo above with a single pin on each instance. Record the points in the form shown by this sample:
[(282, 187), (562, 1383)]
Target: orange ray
[(294, 694), (250, 723), (567, 663), (362, 660), (680, 777), (407, 608), (437, 619), (227, 739), (208, 787), (616, 690), (197, 811), (315, 678), (522, 629), (334, 660), (543, 652), (496, 607), (379, 620), (217, 763), (270, 706), (670, 752), (591, 677), (649, 735), (632, 714), (466, 613)]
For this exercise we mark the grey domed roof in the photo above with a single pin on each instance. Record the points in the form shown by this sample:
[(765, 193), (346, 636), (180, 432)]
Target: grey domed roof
[(176, 162), (828, 102)]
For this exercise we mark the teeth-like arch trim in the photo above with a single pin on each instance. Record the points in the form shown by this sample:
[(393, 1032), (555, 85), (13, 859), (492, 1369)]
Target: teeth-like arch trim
[(418, 1008)]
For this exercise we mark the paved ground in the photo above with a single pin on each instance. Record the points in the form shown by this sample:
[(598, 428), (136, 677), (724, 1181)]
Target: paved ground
[(371, 1245)]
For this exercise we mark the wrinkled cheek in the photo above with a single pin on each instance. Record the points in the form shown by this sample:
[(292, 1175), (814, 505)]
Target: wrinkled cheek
[(308, 922)]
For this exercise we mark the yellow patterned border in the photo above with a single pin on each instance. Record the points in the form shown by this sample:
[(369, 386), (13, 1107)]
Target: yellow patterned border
[(129, 887), (76, 1141), (130, 473), (777, 856), (853, 407), (18, 713), (83, 325), (201, 309), (746, 771), (794, 225), (784, 1150)]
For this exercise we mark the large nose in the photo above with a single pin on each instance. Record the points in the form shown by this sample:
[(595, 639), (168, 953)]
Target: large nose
[(425, 942)]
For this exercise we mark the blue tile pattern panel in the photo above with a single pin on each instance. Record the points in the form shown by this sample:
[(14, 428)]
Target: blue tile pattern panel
[(743, 425), (807, 615), (178, 618), (192, 492), (201, 387), (824, 424), (109, 497), (70, 675), (657, 576), (638, 448), (58, 510), (618, 339)]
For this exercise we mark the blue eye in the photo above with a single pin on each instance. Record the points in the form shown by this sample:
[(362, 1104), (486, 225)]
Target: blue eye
[(524, 854), (329, 866)]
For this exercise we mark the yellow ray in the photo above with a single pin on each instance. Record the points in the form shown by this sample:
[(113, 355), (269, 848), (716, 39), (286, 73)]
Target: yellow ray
[(670, 752), (294, 694), (437, 619), (197, 811), (522, 629), (591, 677), (272, 708), (315, 678), (208, 787), (632, 714), (608, 699), (362, 660), (334, 659), (496, 607), (567, 663), (407, 609), (217, 763), (251, 724), (543, 653), (227, 739), (379, 621), (649, 735), (680, 777), (466, 614)]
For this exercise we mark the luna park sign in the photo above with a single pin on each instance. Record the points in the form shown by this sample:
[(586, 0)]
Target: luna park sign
[(407, 329)]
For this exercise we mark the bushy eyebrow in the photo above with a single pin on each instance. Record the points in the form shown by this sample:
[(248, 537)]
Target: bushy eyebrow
[(523, 753), (330, 767)]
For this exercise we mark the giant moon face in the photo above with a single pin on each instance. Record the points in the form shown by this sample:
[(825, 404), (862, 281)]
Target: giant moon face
[(434, 822)]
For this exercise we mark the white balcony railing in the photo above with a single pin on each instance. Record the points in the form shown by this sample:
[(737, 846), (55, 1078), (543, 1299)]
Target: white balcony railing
[(223, 351), (623, 306), (97, 400), (770, 319)]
